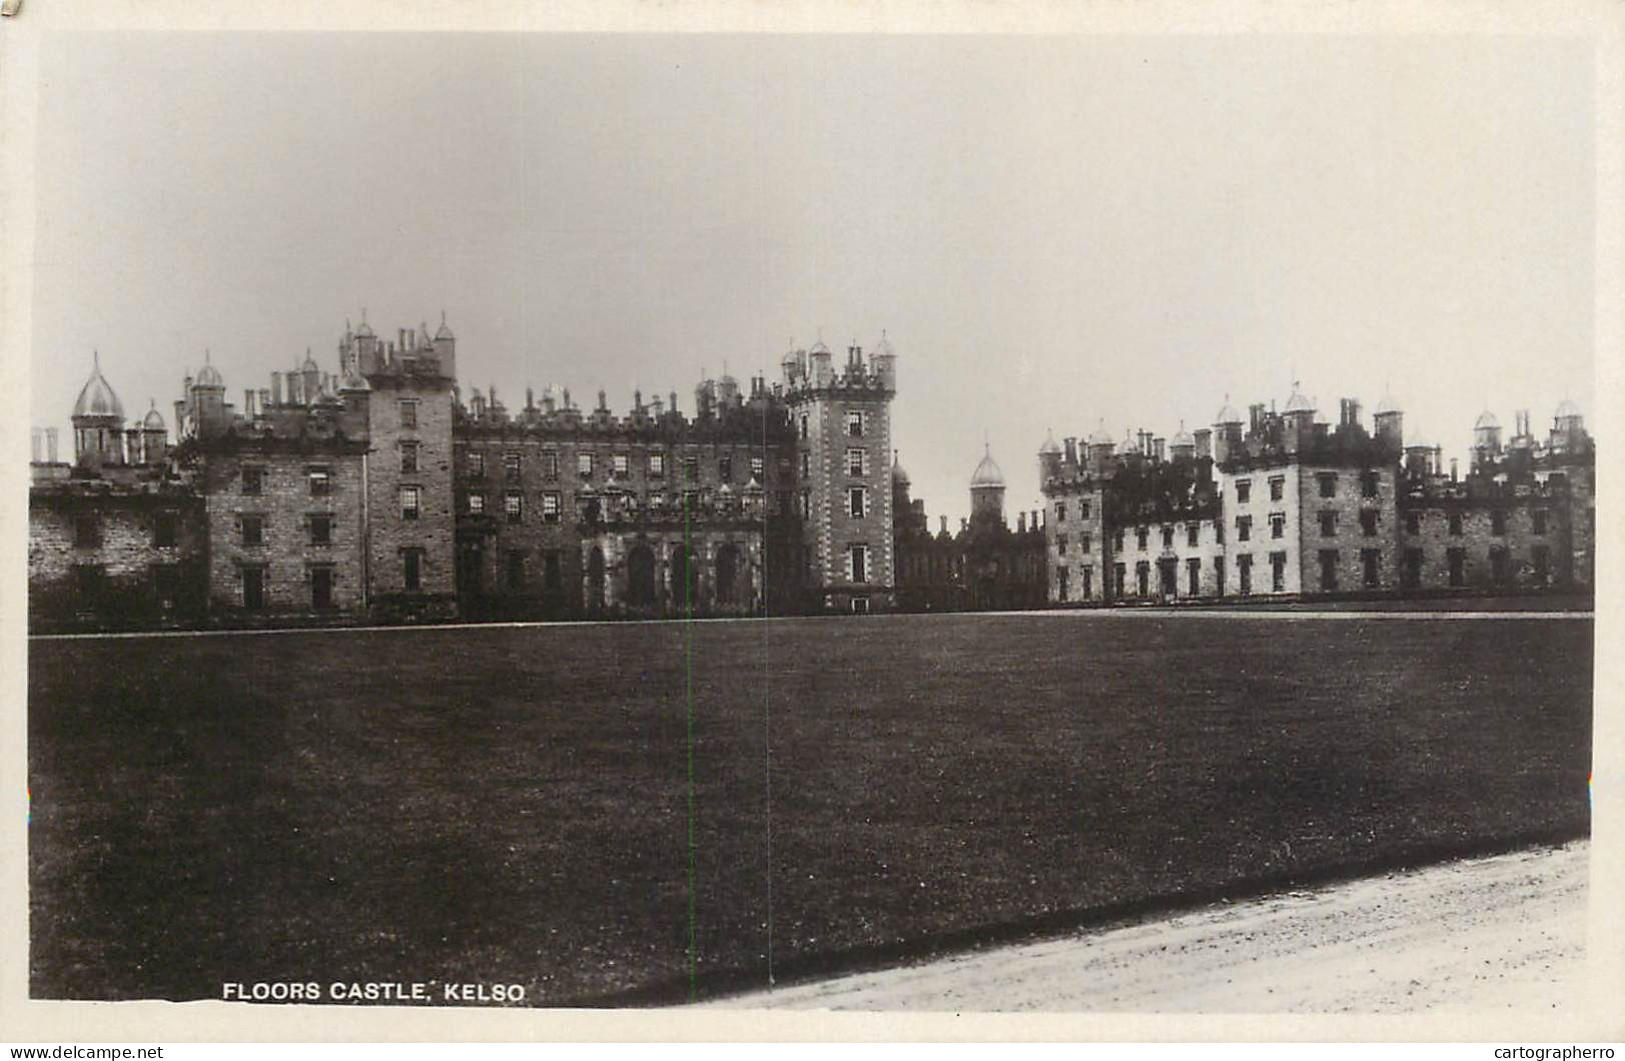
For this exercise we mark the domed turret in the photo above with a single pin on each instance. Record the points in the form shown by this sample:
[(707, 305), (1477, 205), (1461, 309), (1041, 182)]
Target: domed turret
[(987, 473), (1390, 421), (1486, 438), (1297, 403), (1227, 414), (154, 420), (1387, 405), (899, 477), (444, 331), (96, 397), (208, 375), (1486, 420), (1050, 445)]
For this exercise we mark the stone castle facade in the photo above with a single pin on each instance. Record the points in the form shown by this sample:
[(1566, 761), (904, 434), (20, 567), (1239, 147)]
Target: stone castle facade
[(1282, 504), (376, 492)]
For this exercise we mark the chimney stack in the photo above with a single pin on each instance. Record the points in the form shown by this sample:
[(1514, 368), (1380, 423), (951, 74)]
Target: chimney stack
[(1071, 450), (248, 402), (276, 388), (50, 444), (38, 440), (944, 524)]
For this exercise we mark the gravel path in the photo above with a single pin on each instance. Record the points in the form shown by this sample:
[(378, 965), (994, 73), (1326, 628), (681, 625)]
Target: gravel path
[(1492, 933)]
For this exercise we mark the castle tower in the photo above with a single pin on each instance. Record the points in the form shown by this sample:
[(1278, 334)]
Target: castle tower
[(445, 348), (98, 421), (1568, 428), (987, 490), (1182, 447), (1100, 447), (209, 399), (844, 428)]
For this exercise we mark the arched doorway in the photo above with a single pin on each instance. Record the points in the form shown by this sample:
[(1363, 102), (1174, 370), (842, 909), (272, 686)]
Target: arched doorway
[(728, 575), (595, 579), (640, 576), (685, 580)]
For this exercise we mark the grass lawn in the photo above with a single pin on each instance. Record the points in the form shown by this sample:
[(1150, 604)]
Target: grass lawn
[(513, 805)]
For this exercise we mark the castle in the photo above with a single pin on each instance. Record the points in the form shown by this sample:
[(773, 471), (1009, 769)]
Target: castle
[(1283, 504), (376, 492)]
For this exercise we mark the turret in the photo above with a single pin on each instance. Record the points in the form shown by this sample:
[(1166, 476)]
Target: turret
[(823, 365), (1486, 439), (1049, 459), (1390, 423), (987, 489), (883, 363), (98, 421), (1100, 447), (1226, 433), (1183, 445), (209, 399), (1568, 428), (445, 348), (1297, 421)]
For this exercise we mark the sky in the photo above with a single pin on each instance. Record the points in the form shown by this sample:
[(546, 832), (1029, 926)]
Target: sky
[(1055, 233)]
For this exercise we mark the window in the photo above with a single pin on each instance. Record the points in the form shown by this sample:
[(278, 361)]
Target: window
[(1413, 523), (1278, 572), (321, 481), (1117, 541), (87, 583), (1088, 574), (1083, 510), (691, 469), (1142, 578), (513, 506), (1244, 573), (552, 572), (1218, 573), (1192, 530), (321, 587), (409, 412), (1328, 570), (476, 504), (1537, 521), (1060, 545), (805, 505), (1060, 511), (164, 531), (1327, 481), (854, 424), (253, 480), (1368, 483), (476, 465), (1498, 522), (1500, 568), (857, 502), (806, 466), (1369, 561), (620, 466), (857, 461), (412, 570), (1277, 487), (321, 529), (803, 425), (1244, 491), (552, 505), (1455, 524), (1328, 523), (550, 465), (253, 530), (1368, 522), (1142, 536), (166, 584), (1457, 559), (657, 465), (1060, 583), (1541, 559), (409, 456), (584, 465), (1120, 578), (1411, 572), (1168, 537), (725, 469), (515, 572), (253, 586), (1244, 528), (510, 466), (1085, 541), (1193, 576), (758, 468), (410, 498), (858, 563)]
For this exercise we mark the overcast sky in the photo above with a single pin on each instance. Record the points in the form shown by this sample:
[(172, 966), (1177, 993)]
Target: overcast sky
[(1052, 231)]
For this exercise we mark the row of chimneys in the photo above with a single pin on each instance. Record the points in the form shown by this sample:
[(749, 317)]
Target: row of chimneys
[(49, 448), (1022, 522)]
